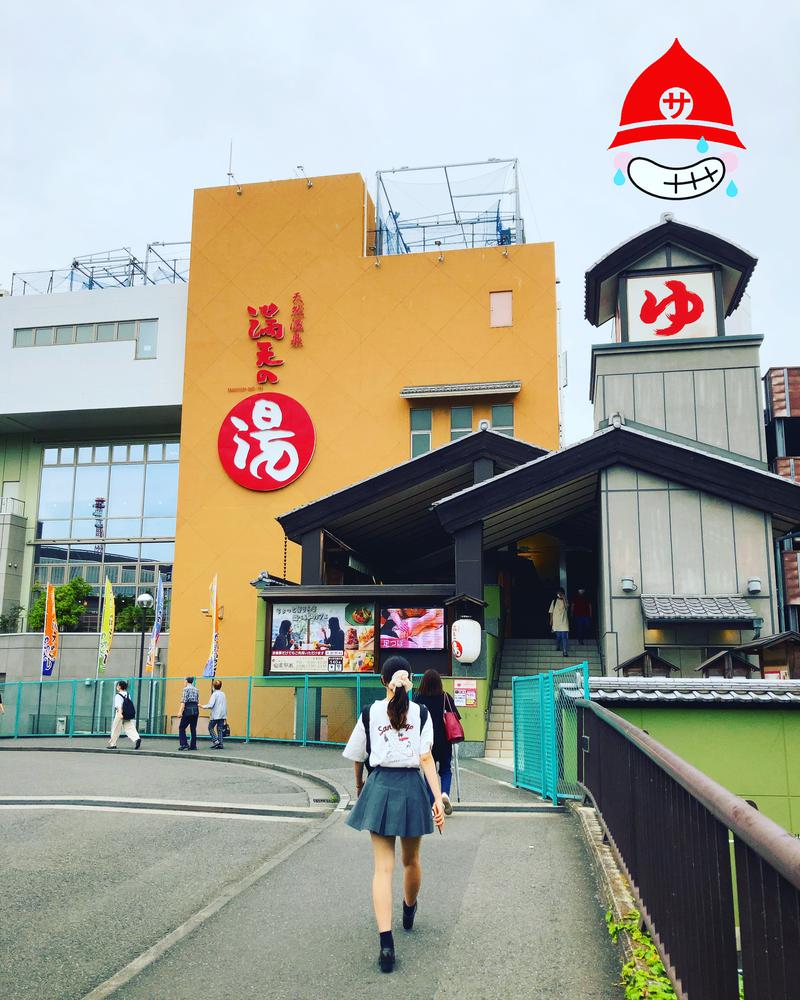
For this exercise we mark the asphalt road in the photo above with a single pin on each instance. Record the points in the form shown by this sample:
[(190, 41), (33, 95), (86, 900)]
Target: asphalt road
[(140, 776), (508, 905), (507, 910)]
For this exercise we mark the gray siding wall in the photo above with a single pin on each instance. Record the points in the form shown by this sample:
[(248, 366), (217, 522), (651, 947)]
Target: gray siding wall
[(674, 540), (710, 394), (21, 655)]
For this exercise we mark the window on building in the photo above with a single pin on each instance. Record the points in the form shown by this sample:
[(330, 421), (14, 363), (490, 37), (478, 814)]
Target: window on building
[(460, 422), (146, 339), (500, 304), (421, 424), (503, 419), (143, 331)]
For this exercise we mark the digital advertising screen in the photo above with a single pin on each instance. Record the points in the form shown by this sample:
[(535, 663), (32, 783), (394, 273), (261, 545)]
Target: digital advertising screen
[(412, 628), (323, 638)]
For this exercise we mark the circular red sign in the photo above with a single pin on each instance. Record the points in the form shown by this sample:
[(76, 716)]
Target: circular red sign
[(266, 441)]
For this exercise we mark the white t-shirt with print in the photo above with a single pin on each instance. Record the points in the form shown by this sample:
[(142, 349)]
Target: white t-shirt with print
[(390, 747)]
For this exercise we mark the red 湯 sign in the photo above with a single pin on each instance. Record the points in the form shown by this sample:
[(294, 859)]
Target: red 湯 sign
[(266, 441)]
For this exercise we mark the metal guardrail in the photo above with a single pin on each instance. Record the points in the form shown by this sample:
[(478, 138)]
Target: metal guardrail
[(671, 827)]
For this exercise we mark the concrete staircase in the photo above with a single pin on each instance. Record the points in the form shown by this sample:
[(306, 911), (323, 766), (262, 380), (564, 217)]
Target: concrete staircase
[(521, 658)]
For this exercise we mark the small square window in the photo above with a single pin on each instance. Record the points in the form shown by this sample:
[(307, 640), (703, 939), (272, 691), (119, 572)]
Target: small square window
[(101, 453), (23, 338), (126, 331), (460, 422), (106, 332), (155, 452), (136, 453), (51, 456), (147, 339), (500, 308), (421, 420), (172, 451), (119, 453), (84, 456), (503, 419), (43, 337), (64, 334), (84, 333), (66, 456)]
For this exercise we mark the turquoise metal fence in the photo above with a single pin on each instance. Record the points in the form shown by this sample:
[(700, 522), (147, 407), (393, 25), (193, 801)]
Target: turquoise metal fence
[(298, 708), (546, 731)]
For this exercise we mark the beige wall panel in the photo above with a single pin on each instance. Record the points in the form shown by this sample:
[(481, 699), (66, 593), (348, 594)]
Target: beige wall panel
[(619, 395), (654, 535), (687, 547), (718, 547), (710, 408), (620, 477), (648, 482), (629, 626), (648, 391), (679, 389), (751, 548), (623, 529), (745, 421)]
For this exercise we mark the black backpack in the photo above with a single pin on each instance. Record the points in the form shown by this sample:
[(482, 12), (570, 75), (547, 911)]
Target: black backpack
[(128, 708), (423, 718)]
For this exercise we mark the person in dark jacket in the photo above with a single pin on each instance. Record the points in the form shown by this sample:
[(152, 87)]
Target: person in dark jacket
[(431, 694)]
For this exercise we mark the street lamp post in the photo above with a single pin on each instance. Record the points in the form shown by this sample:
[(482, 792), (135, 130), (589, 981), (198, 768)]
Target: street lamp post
[(144, 601)]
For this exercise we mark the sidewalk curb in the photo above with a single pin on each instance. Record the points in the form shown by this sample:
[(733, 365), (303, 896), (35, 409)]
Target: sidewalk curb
[(167, 805), (339, 790)]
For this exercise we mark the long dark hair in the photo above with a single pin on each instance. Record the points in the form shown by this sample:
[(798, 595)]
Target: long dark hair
[(397, 709), (431, 684)]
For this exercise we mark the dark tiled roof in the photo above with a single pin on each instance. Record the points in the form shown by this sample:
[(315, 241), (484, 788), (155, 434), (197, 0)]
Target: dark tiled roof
[(677, 608)]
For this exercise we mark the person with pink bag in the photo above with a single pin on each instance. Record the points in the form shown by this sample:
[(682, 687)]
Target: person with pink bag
[(446, 729)]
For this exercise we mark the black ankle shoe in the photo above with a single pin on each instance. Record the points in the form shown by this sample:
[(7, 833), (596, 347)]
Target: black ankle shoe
[(409, 912), (386, 959)]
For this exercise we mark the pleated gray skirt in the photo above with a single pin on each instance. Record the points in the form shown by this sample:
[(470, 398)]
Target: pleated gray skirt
[(393, 803)]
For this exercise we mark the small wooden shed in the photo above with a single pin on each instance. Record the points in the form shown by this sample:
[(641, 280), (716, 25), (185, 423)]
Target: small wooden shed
[(647, 664), (728, 663), (778, 655)]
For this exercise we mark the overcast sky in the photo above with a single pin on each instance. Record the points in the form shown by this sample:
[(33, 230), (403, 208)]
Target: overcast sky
[(111, 115)]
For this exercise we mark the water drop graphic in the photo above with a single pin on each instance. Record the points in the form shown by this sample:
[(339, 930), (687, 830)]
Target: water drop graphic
[(619, 178), (731, 190), (702, 146)]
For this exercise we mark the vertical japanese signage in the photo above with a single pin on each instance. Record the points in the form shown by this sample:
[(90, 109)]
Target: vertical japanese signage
[(213, 657), (50, 634), (106, 627), (158, 621)]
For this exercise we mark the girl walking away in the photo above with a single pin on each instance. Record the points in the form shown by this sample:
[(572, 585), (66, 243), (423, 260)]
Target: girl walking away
[(432, 695), (218, 704), (394, 738), (559, 621)]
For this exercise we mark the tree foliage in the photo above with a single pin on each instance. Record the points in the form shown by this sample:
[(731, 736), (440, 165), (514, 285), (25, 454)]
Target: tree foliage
[(71, 601), (9, 619)]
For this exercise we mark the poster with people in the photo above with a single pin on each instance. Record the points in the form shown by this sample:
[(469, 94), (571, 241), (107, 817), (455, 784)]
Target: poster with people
[(412, 628), (323, 638)]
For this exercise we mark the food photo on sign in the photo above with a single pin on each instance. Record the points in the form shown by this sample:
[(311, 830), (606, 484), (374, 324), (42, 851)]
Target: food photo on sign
[(412, 628), (321, 638)]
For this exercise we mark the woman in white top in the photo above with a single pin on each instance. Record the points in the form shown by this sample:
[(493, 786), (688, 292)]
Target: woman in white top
[(393, 801)]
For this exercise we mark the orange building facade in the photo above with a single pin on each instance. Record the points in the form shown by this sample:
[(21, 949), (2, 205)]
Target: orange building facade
[(381, 338)]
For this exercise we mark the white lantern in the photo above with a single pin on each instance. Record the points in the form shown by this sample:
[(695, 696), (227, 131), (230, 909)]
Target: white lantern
[(466, 640)]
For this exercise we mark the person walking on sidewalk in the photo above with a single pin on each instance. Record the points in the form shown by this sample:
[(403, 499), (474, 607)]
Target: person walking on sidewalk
[(218, 704), (190, 709), (432, 695), (559, 621), (124, 716), (394, 738)]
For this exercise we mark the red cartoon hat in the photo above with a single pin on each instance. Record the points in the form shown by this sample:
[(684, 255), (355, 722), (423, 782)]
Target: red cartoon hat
[(676, 98)]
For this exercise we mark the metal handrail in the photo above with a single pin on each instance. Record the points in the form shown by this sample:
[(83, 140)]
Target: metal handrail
[(774, 844)]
